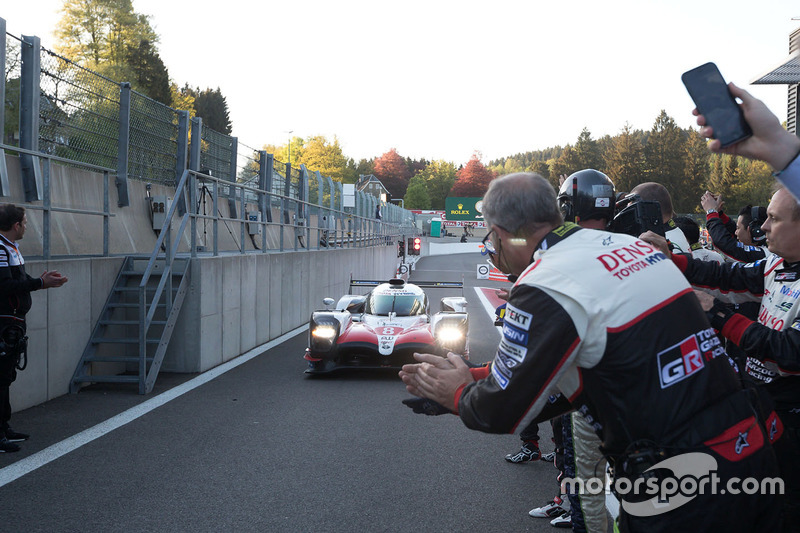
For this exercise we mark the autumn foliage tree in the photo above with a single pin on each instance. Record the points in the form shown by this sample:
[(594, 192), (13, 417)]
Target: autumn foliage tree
[(393, 172), (473, 179)]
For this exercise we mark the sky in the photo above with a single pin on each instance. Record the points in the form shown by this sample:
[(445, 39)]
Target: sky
[(443, 79)]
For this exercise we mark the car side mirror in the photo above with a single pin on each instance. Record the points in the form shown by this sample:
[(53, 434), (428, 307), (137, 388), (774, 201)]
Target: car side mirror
[(328, 302)]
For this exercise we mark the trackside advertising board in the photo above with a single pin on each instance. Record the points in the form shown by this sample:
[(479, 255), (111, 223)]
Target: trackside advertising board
[(463, 209)]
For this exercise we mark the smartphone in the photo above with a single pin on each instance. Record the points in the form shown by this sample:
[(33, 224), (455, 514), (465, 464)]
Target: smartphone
[(714, 101)]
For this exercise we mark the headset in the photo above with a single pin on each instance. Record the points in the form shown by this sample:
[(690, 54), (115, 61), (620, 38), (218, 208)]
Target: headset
[(758, 215)]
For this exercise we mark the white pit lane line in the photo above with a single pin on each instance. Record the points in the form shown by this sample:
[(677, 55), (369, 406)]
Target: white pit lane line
[(32, 462), (612, 504), (490, 309)]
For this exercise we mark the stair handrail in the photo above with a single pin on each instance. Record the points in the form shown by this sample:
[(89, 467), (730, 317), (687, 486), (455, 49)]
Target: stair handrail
[(147, 310)]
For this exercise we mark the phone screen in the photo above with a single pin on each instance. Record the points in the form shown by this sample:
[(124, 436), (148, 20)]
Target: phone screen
[(714, 101)]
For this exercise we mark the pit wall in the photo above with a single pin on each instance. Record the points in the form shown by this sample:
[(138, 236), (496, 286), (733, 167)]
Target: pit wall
[(234, 303)]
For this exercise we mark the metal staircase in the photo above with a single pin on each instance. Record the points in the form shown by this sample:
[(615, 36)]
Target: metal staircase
[(133, 331), (131, 336)]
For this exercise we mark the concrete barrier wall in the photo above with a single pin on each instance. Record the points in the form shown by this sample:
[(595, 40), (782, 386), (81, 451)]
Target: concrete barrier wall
[(235, 302)]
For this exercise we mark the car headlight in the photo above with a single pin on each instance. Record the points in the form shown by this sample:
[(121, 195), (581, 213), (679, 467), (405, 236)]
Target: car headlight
[(324, 332), (449, 335), (323, 337)]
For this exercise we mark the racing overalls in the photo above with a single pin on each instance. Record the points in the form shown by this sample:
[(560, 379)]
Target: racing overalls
[(728, 244), (609, 322), (772, 343)]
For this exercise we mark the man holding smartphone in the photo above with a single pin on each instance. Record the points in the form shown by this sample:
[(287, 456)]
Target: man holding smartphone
[(770, 142)]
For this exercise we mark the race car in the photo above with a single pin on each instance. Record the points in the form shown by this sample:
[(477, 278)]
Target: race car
[(383, 328)]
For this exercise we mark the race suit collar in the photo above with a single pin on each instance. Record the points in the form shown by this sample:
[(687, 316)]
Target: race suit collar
[(557, 235)]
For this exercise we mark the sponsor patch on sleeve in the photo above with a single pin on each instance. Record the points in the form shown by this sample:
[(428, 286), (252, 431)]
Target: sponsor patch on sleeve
[(796, 325), (501, 374), (514, 351), (514, 335), (679, 362), (517, 318)]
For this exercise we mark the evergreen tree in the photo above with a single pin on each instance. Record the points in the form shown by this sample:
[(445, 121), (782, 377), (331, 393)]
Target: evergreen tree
[(212, 107), (624, 162)]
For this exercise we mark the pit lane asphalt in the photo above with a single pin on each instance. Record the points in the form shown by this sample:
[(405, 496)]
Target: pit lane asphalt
[(263, 448)]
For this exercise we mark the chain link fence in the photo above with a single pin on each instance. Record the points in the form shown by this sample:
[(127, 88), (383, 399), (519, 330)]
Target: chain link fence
[(153, 141), (78, 112), (83, 117)]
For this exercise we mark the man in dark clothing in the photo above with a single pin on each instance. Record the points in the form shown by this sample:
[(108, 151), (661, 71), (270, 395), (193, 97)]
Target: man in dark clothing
[(742, 240), (644, 371), (771, 341), (15, 302)]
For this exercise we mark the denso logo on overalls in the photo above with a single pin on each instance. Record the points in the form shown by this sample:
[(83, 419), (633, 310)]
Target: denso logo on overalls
[(679, 361)]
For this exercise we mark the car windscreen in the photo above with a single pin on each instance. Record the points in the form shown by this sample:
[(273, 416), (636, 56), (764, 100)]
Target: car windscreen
[(402, 304)]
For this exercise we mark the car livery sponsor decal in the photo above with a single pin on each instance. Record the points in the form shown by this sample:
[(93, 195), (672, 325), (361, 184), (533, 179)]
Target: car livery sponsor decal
[(688, 357), (514, 335), (517, 318), (624, 261), (387, 336)]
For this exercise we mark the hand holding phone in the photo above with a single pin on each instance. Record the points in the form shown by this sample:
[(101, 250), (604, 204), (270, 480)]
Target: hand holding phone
[(714, 101)]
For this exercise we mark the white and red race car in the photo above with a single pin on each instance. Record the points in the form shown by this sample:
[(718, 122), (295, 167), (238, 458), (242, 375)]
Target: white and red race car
[(383, 328)]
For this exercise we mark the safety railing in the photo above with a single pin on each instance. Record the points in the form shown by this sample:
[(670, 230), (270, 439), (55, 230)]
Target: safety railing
[(41, 170)]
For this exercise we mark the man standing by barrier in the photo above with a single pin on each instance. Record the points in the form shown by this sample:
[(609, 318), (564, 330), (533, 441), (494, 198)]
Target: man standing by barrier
[(15, 302), (610, 355)]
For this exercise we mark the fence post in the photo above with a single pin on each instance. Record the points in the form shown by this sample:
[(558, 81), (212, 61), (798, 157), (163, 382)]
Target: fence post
[(123, 144), (29, 116), (182, 154), (266, 163), (232, 178), (194, 164)]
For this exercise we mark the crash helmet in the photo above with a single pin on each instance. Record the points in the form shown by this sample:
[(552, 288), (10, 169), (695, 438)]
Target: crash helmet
[(585, 195)]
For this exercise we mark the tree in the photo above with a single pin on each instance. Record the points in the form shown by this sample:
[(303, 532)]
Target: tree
[(109, 37), (473, 179), (212, 107), (625, 160), (696, 161), (439, 177), (393, 172), (417, 194), (587, 152), (150, 74), (182, 98), (541, 168), (664, 159), (567, 163), (326, 158)]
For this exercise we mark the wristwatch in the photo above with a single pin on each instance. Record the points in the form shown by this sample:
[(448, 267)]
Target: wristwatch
[(709, 211)]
